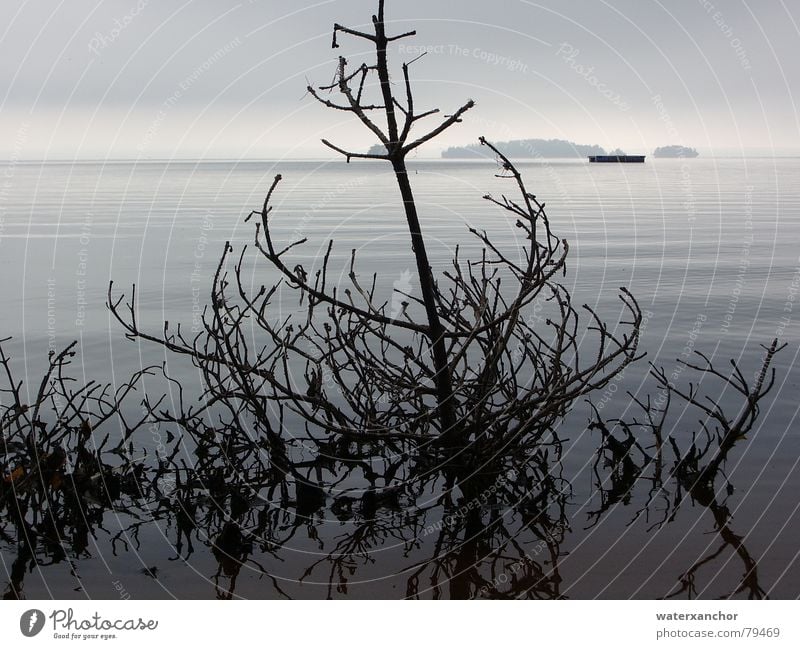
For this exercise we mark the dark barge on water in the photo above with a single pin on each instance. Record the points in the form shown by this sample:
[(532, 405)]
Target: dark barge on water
[(616, 158)]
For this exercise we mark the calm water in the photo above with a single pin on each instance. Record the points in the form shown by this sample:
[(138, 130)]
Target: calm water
[(709, 247)]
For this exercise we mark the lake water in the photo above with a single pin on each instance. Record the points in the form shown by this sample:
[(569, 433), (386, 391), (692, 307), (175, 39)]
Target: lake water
[(708, 246)]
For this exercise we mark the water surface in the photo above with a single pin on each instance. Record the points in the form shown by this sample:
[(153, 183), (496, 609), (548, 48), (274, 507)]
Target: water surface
[(708, 246)]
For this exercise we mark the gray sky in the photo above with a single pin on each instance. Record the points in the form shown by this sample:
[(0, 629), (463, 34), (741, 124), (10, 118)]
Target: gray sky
[(201, 78)]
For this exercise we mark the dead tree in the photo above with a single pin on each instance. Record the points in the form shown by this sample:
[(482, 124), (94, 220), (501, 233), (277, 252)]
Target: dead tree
[(397, 139), (344, 409), (464, 368), (466, 382)]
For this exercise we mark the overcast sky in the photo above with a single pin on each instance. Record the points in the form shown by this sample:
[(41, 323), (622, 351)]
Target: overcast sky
[(206, 78)]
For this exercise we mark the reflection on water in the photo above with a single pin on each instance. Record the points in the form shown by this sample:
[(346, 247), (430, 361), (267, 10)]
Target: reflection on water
[(195, 510), (346, 518)]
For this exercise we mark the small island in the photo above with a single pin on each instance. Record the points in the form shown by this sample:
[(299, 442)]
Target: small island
[(675, 151), (533, 148)]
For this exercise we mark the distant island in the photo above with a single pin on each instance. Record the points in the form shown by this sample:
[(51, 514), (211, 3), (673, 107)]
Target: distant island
[(528, 149), (537, 148), (675, 151)]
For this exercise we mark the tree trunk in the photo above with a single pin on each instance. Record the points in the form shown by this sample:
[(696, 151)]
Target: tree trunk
[(444, 385)]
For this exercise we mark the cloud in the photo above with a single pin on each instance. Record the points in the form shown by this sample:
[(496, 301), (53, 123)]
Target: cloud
[(133, 77)]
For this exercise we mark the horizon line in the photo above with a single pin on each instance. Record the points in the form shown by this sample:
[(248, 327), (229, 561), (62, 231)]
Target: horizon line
[(12, 161)]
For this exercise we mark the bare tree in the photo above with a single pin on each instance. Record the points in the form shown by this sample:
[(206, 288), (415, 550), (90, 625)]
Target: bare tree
[(474, 367), (464, 384)]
